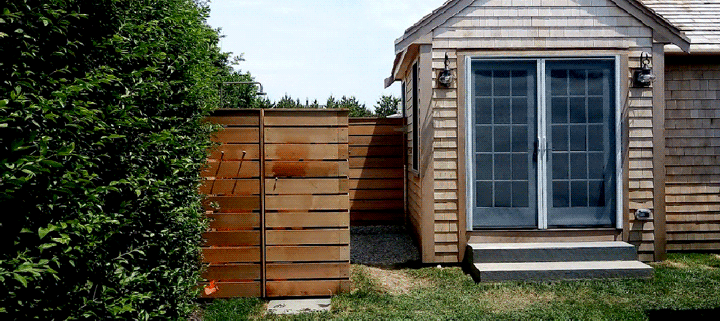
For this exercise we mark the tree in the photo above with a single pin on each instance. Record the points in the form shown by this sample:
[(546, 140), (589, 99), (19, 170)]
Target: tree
[(101, 144), (356, 108), (387, 105)]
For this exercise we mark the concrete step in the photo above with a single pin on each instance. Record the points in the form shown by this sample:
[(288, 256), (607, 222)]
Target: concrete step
[(550, 252), (552, 271)]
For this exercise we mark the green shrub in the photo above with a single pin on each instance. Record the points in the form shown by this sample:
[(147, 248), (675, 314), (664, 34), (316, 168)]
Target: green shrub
[(101, 139)]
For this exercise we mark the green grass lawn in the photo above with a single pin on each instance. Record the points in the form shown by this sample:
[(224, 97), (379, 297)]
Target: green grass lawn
[(687, 282)]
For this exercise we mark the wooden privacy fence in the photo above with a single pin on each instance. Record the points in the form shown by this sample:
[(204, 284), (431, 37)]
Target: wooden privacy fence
[(277, 197), (377, 171)]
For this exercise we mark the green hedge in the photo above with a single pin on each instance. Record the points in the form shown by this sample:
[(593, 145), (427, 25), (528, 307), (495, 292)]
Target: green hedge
[(101, 139)]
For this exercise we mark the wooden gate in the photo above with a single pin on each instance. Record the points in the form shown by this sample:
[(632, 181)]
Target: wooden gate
[(278, 204)]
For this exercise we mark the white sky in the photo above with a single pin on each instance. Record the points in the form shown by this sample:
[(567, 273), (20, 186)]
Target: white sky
[(315, 48)]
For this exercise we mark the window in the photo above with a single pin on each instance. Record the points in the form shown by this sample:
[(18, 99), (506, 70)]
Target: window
[(542, 150), (415, 121)]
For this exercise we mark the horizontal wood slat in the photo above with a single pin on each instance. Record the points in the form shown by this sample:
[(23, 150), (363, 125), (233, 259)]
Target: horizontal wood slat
[(395, 163), (306, 118), (230, 187), (237, 135), (306, 186), (375, 183), (235, 152), (306, 202), (379, 194), (227, 254), (232, 272), (231, 238), (233, 221), (384, 173), (306, 169), (305, 135), (235, 118), (234, 290), (305, 220), (289, 152), (232, 204), (232, 169), (305, 237), (308, 253), (307, 288), (357, 129), (289, 271), (365, 151)]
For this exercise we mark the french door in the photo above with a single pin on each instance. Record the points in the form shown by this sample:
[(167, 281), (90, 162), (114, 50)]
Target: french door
[(541, 143)]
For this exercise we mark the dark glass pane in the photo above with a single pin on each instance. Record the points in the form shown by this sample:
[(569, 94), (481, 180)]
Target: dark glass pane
[(484, 193), (502, 138), (558, 82), (503, 167), (595, 83), (519, 167), (503, 190), (483, 138), (595, 110), (501, 83), (578, 192), (559, 110), (520, 194), (577, 137), (519, 111), (502, 111), (559, 137), (483, 83), (597, 194), (519, 139), (577, 110), (577, 82), (578, 166), (483, 166), (483, 110), (560, 194), (560, 165), (519, 83), (596, 165), (595, 138)]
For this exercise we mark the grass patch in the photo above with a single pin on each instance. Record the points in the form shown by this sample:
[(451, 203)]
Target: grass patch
[(685, 282)]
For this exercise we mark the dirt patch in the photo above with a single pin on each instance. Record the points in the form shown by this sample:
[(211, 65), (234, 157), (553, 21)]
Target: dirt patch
[(504, 299), (395, 282)]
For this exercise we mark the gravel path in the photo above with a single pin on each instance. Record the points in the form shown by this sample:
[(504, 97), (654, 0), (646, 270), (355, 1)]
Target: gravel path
[(382, 246)]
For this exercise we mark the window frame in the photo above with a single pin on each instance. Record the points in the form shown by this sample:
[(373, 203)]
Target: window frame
[(415, 120), (542, 169)]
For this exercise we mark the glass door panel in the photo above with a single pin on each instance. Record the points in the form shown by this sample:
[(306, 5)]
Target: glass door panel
[(503, 98), (581, 143)]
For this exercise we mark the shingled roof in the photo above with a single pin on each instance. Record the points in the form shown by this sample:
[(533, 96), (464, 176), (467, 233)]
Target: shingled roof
[(698, 19)]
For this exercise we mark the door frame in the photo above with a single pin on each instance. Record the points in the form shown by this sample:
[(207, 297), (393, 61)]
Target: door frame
[(467, 166)]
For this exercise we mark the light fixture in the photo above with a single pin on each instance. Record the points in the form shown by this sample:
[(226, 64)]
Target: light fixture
[(643, 214), (643, 76), (445, 77)]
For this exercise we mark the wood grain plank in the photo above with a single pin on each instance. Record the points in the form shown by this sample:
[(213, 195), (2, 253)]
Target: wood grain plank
[(306, 118), (235, 152), (231, 204), (308, 271), (237, 135), (306, 186), (231, 238), (302, 220), (235, 118), (367, 151), (374, 130), (308, 253), (240, 254), (384, 173), (372, 140), (355, 183), (234, 221), (361, 162), (307, 237), (232, 272), (290, 152), (232, 169), (230, 187), (306, 169), (234, 290), (306, 202), (359, 205), (306, 288), (306, 135)]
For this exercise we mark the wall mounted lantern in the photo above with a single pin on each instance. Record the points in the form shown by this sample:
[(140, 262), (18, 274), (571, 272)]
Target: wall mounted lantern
[(445, 77), (643, 76)]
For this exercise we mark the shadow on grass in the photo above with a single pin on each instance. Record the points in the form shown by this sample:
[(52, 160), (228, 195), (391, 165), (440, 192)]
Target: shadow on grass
[(699, 314)]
